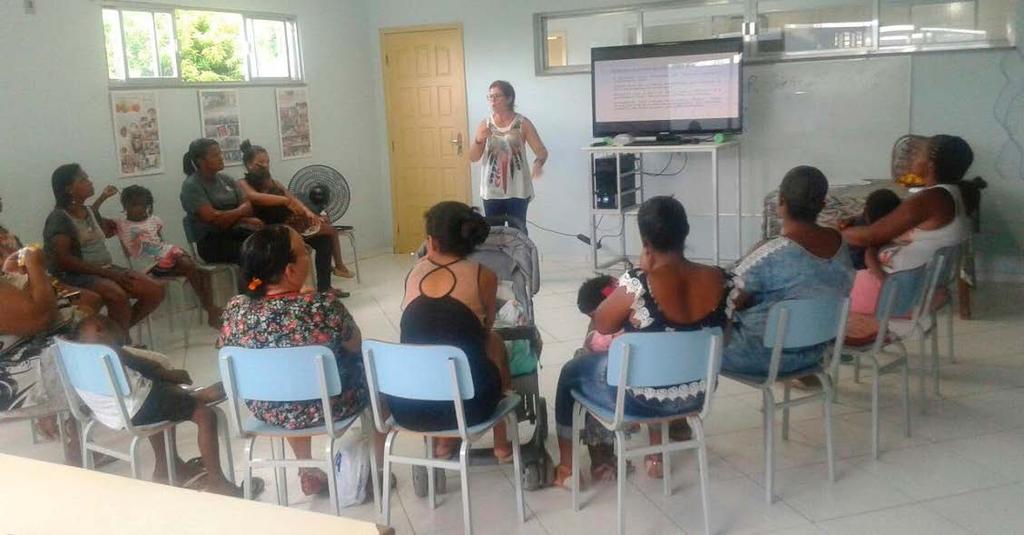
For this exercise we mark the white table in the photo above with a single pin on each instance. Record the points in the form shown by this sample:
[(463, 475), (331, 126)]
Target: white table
[(711, 148), (43, 498)]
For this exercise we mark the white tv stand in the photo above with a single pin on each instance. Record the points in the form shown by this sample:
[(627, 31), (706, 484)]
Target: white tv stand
[(711, 148)]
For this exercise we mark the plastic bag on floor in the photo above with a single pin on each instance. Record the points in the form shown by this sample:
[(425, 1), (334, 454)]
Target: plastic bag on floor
[(352, 468)]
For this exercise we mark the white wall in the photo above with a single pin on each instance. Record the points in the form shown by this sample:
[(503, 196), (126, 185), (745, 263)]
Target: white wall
[(951, 92), (56, 109)]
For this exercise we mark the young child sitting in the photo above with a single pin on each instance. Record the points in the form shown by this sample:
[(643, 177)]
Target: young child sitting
[(868, 261), (141, 234), (591, 293), (157, 395)]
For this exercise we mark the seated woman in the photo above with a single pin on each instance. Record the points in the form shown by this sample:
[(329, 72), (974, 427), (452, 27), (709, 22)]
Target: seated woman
[(275, 310), (805, 261), (451, 300), (75, 242), (273, 204), (216, 211), (930, 219), (86, 302), (667, 293)]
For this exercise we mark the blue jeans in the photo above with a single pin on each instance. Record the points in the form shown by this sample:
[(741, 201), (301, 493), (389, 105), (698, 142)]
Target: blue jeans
[(514, 209), (587, 374)]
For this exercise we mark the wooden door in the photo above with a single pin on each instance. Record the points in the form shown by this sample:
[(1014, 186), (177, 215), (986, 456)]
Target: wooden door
[(425, 91)]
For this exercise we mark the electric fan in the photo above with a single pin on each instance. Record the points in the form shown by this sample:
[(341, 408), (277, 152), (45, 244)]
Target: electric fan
[(903, 152), (323, 189)]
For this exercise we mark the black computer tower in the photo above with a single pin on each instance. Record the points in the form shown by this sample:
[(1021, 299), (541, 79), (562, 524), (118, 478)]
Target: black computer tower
[(605, 195)]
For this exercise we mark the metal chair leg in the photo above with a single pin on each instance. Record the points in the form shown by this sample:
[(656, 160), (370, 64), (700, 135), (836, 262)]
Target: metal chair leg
[(225, 432), (386, 489), (366, 423), (935, 356), (666, 462), (785, 411), (577, 423), (247, 485), (171, 454), (517, 464), (332, 478), (906, 393), (428, 446), (768, 407), (702, 468), (875, 380), (280, 474), (620, 453), (355, 254), (826, 384), (949, 331), (467, 511), (133, 452)]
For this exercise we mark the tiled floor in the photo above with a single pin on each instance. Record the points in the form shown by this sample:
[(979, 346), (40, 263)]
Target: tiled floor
[(962, 471)]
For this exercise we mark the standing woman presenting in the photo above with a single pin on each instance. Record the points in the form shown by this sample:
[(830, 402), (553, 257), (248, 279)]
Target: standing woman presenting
[(506, 184)]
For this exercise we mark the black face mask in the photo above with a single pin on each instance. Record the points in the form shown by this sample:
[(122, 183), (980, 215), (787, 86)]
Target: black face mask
[(260, 174)]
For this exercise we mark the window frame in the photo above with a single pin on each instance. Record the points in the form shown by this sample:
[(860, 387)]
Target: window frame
[(292, 36), (751, 31)]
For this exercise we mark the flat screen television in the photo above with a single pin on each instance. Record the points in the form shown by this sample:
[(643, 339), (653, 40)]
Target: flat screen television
[(691, 87)]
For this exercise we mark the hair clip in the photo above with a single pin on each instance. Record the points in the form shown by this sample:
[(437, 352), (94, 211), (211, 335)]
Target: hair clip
[(255, 283), (607, 290)]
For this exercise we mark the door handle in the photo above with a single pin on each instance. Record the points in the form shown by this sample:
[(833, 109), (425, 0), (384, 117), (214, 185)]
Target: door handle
[(457, 142)]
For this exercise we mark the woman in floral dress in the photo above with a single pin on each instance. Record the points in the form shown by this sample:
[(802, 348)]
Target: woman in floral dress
[(276, 310)]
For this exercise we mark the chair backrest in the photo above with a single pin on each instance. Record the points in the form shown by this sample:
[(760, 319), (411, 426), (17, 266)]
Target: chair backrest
[(420, 372), (279, 374), (664, 359), (906, 290), (810, 322), (661, 358), (85, 367), (95, 369), (800, 323), (947, 260)]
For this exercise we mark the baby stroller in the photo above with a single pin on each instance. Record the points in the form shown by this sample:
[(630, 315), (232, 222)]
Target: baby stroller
[(510, 253)]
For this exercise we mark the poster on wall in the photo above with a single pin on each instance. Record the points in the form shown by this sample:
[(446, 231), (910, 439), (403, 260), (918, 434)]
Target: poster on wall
[(220, 118), (293, 123), (136, 133)]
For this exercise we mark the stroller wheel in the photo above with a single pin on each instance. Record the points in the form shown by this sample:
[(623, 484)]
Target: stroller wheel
[(538, 473), (420, 483), (531, 476)]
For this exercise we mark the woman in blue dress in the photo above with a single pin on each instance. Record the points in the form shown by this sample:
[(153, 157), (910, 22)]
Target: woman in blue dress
[(806, 260)]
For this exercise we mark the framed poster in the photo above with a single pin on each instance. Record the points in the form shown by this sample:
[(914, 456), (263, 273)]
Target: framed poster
[(220, 119), (136, 133), (293, 123)]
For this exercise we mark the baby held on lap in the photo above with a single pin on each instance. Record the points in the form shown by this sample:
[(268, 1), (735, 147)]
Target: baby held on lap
[(590, 295)]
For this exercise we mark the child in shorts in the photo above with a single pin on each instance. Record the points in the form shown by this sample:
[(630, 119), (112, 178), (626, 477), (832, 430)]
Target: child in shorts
[(157, 394)]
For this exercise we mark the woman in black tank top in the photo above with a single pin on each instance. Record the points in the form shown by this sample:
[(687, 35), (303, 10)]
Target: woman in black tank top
[(437, 316)]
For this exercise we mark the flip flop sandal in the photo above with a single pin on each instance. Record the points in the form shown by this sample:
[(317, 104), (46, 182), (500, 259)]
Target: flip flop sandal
[(196, 482)]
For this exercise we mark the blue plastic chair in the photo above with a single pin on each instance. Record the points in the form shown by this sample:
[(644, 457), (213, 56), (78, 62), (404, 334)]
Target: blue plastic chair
[(97, 369), (434, 373), (793, 324), (638, 360), (288, 374)]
